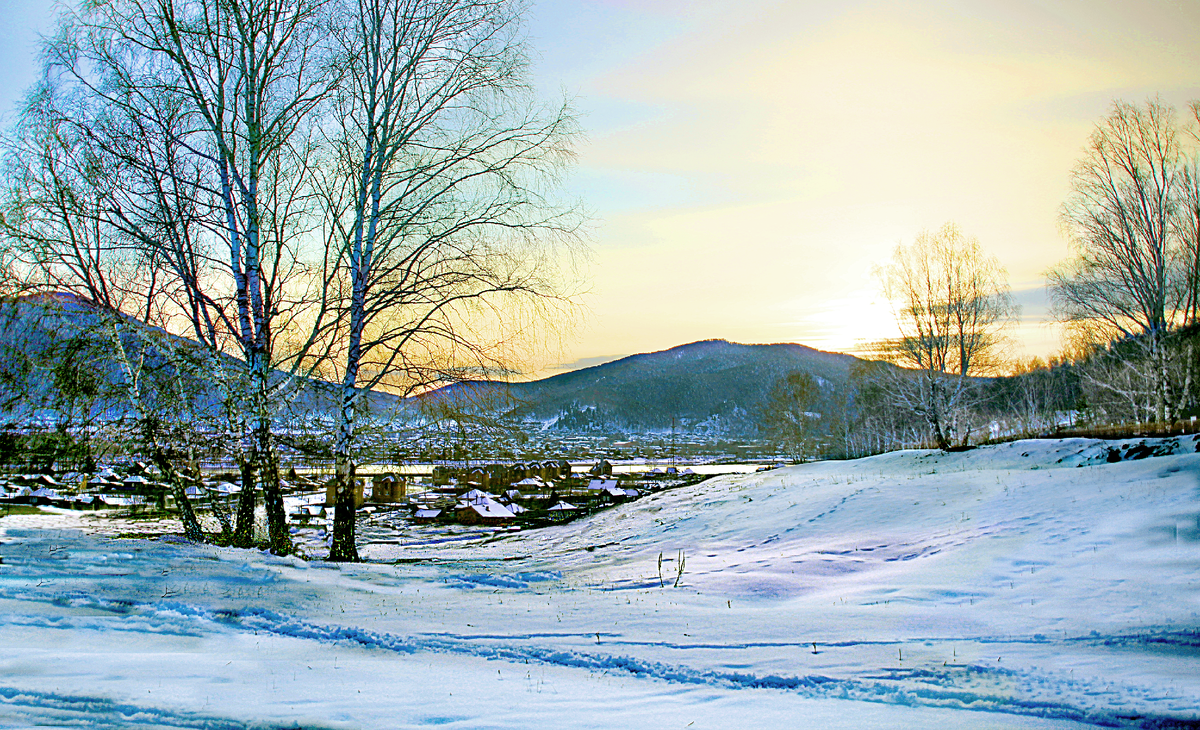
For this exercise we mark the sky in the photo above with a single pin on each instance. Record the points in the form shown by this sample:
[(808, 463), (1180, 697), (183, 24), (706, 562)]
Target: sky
[(749, 164)]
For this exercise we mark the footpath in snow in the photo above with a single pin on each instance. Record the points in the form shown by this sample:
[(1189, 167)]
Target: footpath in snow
[(1031, 584)]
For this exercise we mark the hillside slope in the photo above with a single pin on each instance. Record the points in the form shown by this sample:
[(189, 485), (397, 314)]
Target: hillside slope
[(1037, 584), (1033, 577), (711, 385), (57, 356)]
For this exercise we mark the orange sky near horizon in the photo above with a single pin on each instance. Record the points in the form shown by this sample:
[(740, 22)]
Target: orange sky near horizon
[(749, 164)]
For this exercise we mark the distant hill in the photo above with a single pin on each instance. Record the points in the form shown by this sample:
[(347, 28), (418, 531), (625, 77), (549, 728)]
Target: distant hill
[(52, 345), (708, 386)]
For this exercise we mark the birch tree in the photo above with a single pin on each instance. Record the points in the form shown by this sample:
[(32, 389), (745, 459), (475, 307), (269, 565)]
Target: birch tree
[(1128, 218), (56, 221), (440, 207), (952, 303), (246, 76)]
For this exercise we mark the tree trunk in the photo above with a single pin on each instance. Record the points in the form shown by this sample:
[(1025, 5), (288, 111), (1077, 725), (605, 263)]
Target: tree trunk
[(344, 547), (133, 393), (191, 525), (279, 539), (243, 533)]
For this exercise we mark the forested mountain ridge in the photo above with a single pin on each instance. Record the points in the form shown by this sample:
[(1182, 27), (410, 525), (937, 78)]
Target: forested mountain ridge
[(59, 360), (707, 386)]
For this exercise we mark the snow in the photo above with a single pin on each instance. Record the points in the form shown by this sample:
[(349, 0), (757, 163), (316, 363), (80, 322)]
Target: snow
[(1027, 585)]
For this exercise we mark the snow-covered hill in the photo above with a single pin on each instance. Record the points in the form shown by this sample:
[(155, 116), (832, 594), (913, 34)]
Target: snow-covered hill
[(1032, 584)]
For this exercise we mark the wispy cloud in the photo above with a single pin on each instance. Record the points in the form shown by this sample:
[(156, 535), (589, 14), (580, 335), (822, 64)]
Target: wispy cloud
[(585, 362)]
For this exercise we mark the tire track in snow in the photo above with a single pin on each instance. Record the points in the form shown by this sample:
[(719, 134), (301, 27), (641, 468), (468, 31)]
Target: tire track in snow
[(931, 688), (84, 711)]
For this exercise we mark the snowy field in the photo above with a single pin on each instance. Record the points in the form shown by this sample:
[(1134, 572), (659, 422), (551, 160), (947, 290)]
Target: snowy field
[(1027, 585)]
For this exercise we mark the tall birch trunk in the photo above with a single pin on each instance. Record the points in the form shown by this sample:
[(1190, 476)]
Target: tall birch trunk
[(191, 525)]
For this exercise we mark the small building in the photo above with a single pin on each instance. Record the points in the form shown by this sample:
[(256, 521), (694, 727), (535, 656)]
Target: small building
[(555, 469), (602, 469), (484, 512), (427, 515), (442, 475), (562, 511), (386, 488)]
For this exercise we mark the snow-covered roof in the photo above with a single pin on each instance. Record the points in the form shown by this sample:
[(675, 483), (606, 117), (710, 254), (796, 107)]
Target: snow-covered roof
[(427, 514), (493, 510), (118, 500), (563, 507), (476, 496)]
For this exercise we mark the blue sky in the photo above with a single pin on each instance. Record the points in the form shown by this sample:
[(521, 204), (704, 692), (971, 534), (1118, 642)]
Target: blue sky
[(750, 163)]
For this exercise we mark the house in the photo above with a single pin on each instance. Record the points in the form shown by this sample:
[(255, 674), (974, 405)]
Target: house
[(497, 474), (484, 512), (478, 477), (615, 494), (427, 515), (42, 495), (442, 475), (556, 469), (600, 485), (562, 511), (386, 488)]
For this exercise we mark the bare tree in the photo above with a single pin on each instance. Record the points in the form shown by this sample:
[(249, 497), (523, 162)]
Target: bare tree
[(789, 414), (56, 223), (441, 225), (1186, 223), (952, 302), (239, 80), (1122, 218)]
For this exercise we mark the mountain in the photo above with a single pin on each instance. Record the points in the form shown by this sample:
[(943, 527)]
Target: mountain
[(58, 358), (708, 386)]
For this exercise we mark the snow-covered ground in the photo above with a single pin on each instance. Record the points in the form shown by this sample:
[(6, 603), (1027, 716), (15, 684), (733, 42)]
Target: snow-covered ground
[(1027, 585)]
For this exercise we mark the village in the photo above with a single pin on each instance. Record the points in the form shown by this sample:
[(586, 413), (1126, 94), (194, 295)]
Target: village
[(514, 495)]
